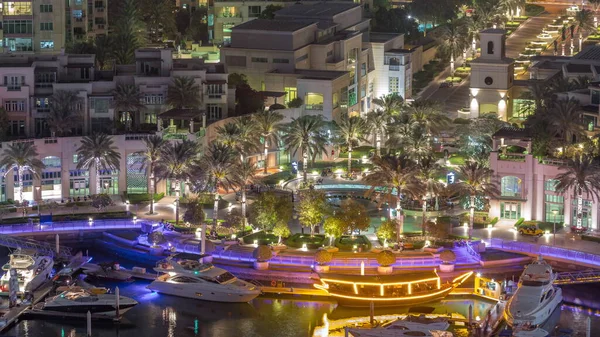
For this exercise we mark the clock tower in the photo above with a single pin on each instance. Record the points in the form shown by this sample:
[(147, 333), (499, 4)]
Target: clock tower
[(492, 75)]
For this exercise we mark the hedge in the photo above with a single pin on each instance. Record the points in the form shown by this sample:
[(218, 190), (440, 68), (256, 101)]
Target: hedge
[(519, 222), (347, 243), (261, 238), (543, 225), (142, 197), (312, 242), (494, 221)]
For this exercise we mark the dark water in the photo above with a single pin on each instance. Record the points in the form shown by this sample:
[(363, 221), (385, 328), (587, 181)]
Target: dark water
[(166, 316)]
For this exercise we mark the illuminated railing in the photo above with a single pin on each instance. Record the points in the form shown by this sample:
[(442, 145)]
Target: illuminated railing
[(472, 252), (557, 252), (68, 226)]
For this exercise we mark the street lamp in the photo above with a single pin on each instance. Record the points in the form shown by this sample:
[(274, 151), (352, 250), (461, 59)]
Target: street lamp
[(38, 197), (555, 212)]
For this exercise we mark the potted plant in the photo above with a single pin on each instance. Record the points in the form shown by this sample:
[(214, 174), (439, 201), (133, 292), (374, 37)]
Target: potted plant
[(386, 259), (262, 254), (322, 258), (448, 257)]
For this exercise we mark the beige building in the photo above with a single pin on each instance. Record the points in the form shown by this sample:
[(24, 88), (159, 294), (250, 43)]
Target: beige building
[(46, 26)]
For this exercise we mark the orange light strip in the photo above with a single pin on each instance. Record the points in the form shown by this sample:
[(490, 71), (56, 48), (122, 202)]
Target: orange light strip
[(462, 278), (439, 284), (355, 289), (381, 291), (410, 288), (391, 299), (378, 284)]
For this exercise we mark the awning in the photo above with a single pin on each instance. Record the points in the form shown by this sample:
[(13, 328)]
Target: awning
[(178, 113)]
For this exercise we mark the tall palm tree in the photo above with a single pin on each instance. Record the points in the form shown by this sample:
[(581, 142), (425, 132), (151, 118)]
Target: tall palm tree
[(219, 164), (150, 157), (584, 19), (23, 157), (429, 171), (565, 119), (243, 174), (475, 180), (377, 122), (184, 93), (452, 40), (239, 135), (394, 174), (176, 163), (268, 125), (98, 152), (429, 115), (64, 115), (391, 103), (305, 134), (582, 175), (127, 99), (351, 130)]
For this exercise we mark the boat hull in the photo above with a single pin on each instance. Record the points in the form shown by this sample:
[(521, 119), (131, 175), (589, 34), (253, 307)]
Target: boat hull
[(101, 309), (212, 295), (392, 302), (537, 317)]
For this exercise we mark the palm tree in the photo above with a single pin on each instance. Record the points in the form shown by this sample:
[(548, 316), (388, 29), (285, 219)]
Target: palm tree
[(429, 171), (239, 135), (452, 40), (475, 180), (176, 164), (23, 157), (150, 157), (219, 164), (351, 130), (429, 115), (539, 93), (565, 119), (582, 175), (377, 122), (64, 115), (394, 174), (243, 174), (391, 104), (127, 99), (268, 125), (474, 25), (305, 134), (99, 152), (585, 22), (184, 93)]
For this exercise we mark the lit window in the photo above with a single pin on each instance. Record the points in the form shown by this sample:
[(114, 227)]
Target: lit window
[(47, 44)]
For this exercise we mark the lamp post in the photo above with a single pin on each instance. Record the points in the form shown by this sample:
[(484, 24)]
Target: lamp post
[(38, 197), (555, 212)]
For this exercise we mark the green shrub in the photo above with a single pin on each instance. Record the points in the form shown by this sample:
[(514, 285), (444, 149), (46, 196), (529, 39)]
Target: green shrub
[(386, 258), (323, 257), (261, 238), (262, 253), (136, 198), (312, 242), (276, 178), (347, 243), (543, 225), (519, 222), (494, 221), (447, 256)]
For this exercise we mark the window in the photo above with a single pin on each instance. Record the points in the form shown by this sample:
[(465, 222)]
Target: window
[(260, 60), (17, 8), (363, 69), (85, 73), (302, 58), (51, 161), (352, 99), (154, 99), (313, 101), (98, 4), (290, 94), (77, 13), (46, 26), (490, 47), (100, 105), (511, 186), (550, 185), (335, 99), (14, 83), (46, 8), (42, 104), (16, 106), (281, 61), (214, 90), (363, 92), (330, 53), (214, 111), (16, 128), (394, 85), (18, 26), (75, 160), (47, 44), (559, 199), (235, 61), (253, 11), (19, 44), (44, 80)]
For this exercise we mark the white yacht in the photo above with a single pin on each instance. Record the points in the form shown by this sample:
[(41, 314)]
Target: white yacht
[(32, 270), (536, 296), (189, 278), (409, 326), (80, 301)]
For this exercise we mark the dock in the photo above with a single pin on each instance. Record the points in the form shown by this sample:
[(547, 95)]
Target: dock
[(13, 314), (294, 291)]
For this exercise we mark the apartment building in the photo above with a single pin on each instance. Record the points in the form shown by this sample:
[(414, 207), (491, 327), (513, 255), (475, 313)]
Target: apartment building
[(528, 185), (29, 81), (46, 26)]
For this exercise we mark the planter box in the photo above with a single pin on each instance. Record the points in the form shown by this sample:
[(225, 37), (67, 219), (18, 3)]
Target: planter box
[(261, 265), (446, 268), (385, 270), (278, 247), (331, 249), (321, 269)]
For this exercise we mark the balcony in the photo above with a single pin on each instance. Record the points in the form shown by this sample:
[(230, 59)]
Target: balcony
[(394, 67), (518, 157)]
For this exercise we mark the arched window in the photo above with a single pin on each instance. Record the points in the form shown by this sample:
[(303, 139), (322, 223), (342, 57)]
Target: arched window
[(490, 49), (510, 186)]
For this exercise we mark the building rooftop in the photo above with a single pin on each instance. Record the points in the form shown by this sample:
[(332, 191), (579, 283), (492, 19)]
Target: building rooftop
[(275, 25), (378, 37), (590, 53), (493, 31), (322, 10), (513, 133)]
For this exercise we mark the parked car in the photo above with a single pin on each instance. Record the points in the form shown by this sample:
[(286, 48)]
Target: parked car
[(446, 84), (530, 230), (580, 230)]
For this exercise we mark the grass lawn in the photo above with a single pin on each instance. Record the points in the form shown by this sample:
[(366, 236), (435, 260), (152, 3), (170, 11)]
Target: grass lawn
[(358, 152), (457, 159), (261, 238), (346, 243), (312, 242), (276, 178)]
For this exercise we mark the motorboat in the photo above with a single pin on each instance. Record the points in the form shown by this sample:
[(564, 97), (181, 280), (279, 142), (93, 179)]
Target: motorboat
[(407, 289), (190, 278), (80, 301), (32, 270), (536, 296), (409, 326), (111, 271)]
